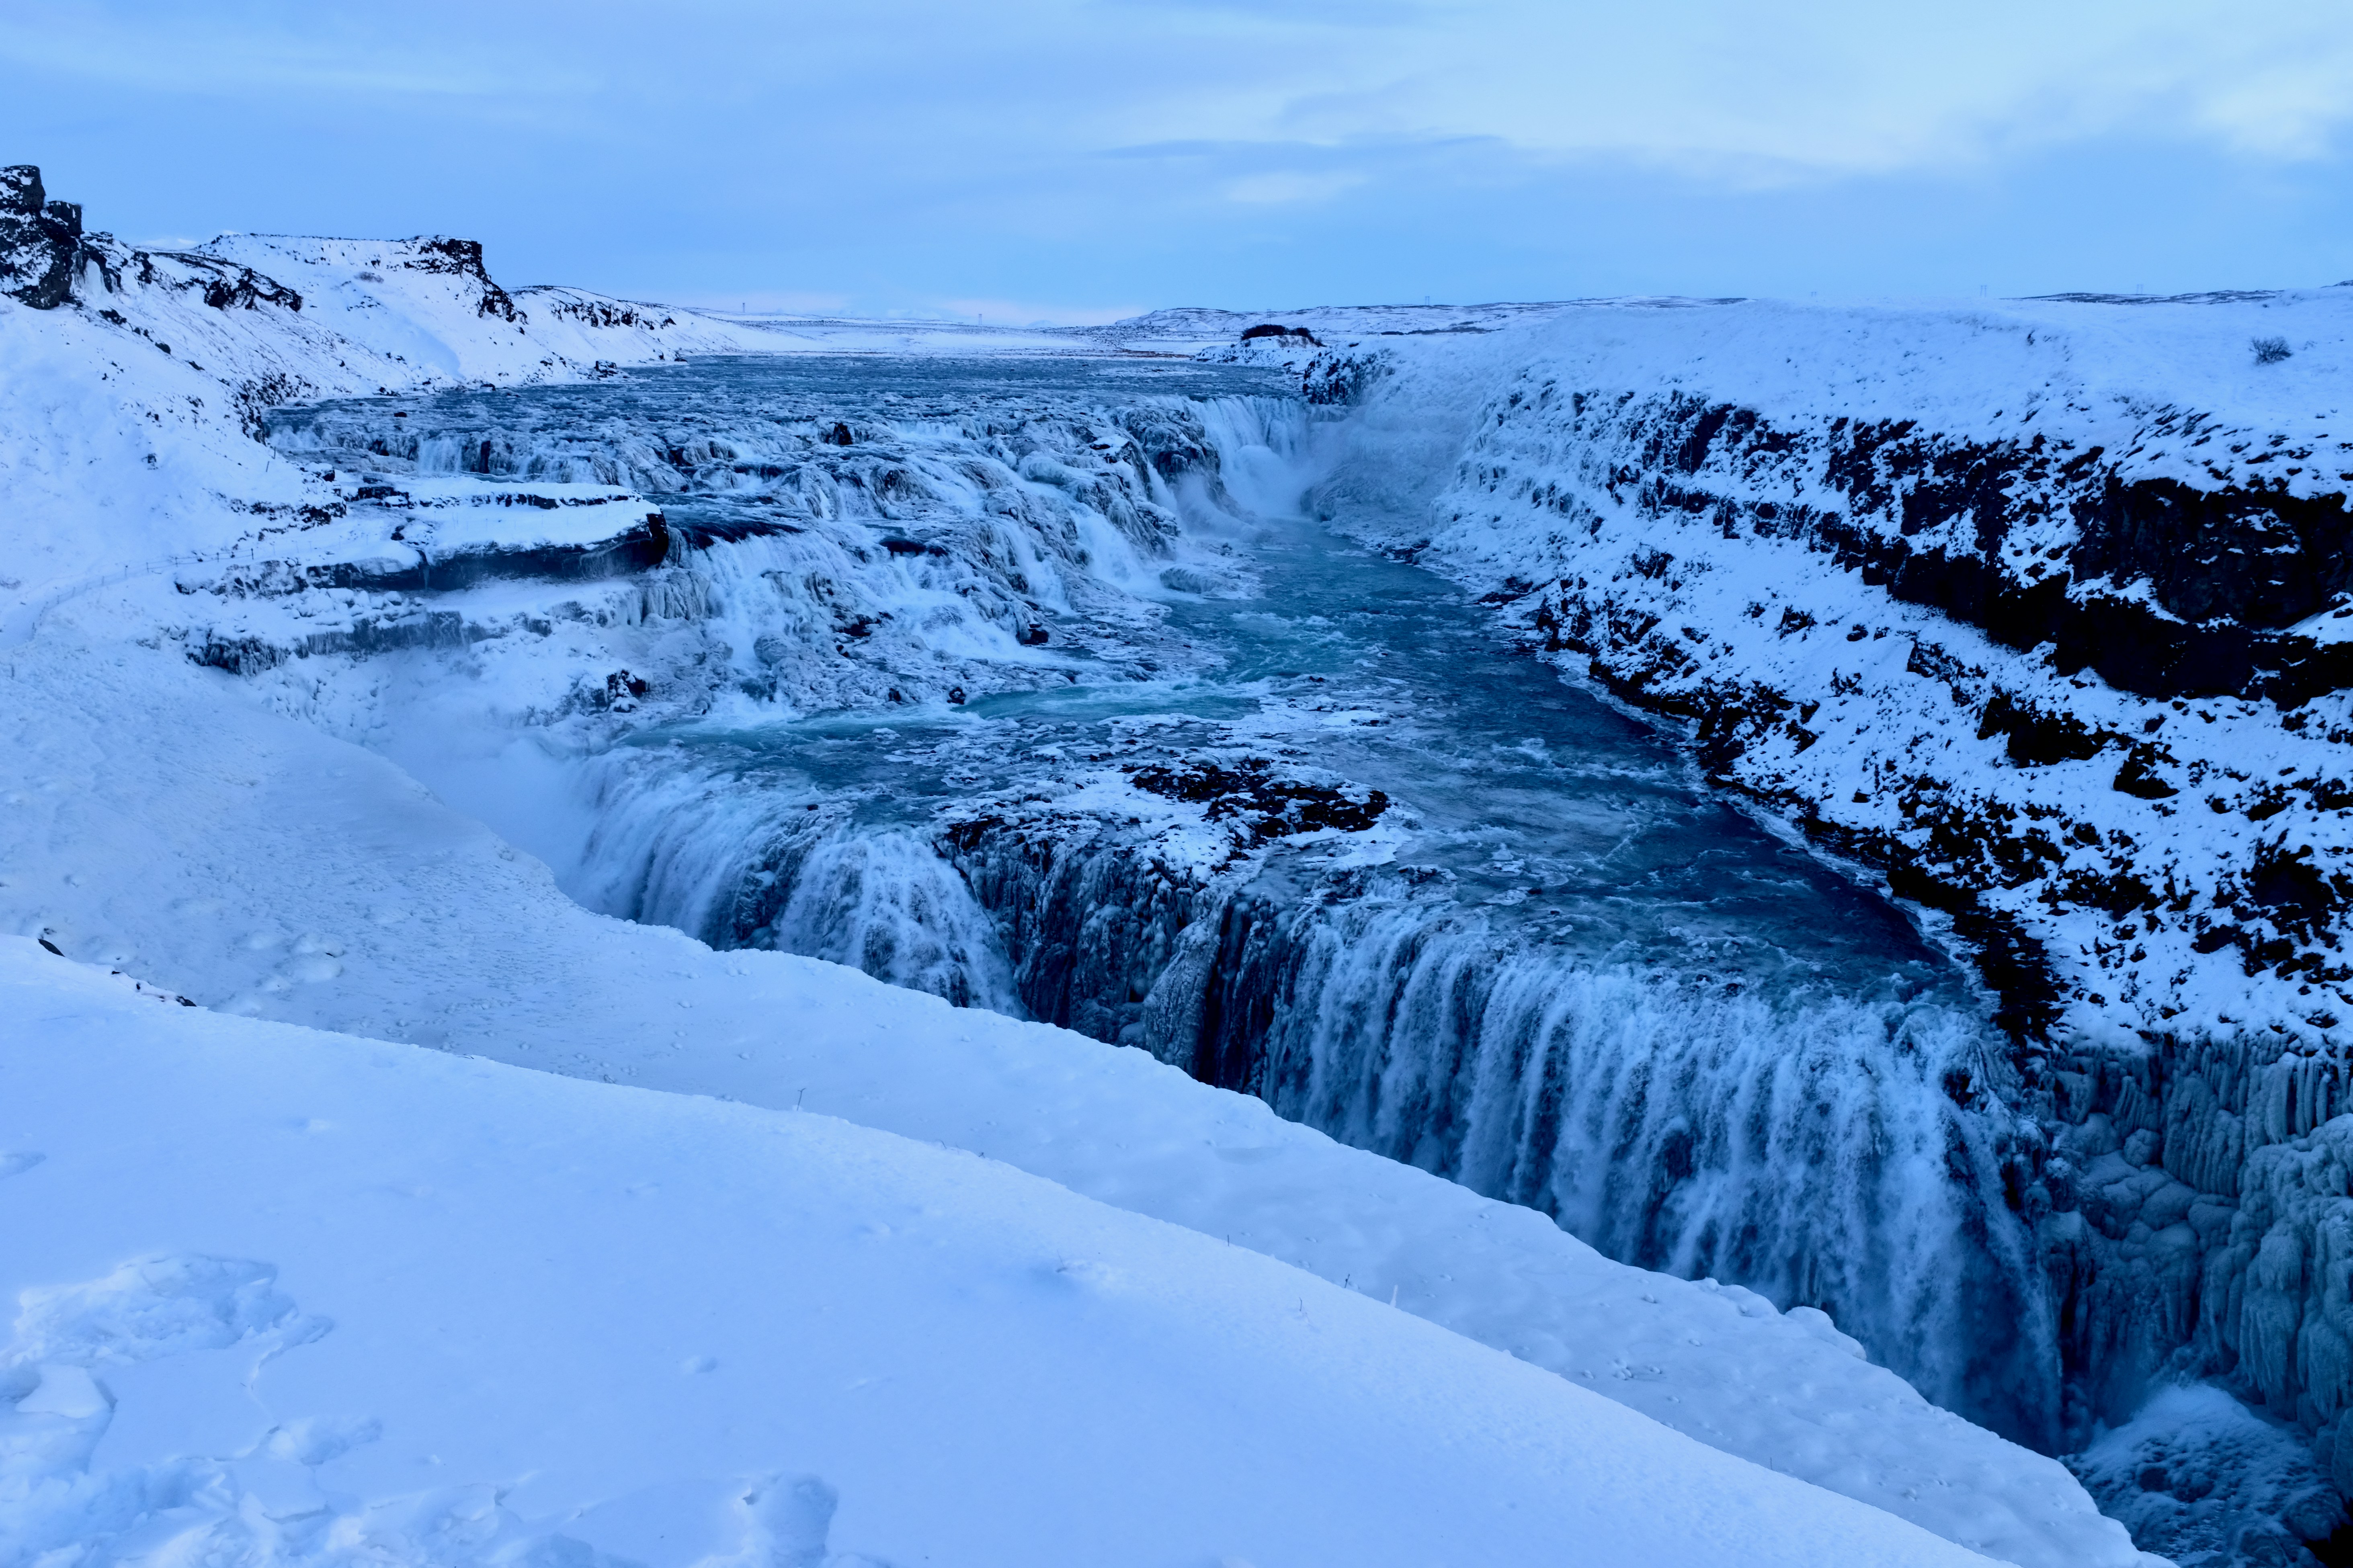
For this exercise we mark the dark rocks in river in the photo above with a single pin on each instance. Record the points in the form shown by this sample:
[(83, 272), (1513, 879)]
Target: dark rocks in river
[(1272, 805), (1337, 380)]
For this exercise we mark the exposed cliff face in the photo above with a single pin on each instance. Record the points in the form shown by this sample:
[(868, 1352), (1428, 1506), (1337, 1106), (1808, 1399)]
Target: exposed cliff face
[(2041, 611), (39, 239)]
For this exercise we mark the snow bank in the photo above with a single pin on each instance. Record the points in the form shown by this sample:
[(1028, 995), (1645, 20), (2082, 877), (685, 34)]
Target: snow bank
[(287, 1297)]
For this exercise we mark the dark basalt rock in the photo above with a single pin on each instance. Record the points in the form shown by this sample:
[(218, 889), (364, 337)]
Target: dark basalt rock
[(247, 655), (607, 313), (2292, 890), (633, 550), (41, 241), (1091, 925), (463, 258), (2037, 738), (2138, 777), (243, 289), (2228, 569), (2264, 560), (1340, 379), (20, 191), (1270, 805), (43, 254), (1271, 329)]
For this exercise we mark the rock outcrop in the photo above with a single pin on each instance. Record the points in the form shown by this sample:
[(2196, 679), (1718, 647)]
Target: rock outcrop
[(46, 261), (40, 240)]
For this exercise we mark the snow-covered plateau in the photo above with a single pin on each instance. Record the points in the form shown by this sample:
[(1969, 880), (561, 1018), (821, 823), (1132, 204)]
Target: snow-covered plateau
[(373, 636)]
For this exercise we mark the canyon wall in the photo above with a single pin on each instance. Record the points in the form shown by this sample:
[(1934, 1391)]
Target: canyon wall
[(2040, 612)]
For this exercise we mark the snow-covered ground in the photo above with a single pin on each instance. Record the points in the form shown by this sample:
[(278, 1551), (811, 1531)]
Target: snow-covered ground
[(288, 1297), (160, 822)]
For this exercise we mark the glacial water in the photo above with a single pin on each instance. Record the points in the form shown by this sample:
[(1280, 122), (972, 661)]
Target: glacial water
[(1525, 948)]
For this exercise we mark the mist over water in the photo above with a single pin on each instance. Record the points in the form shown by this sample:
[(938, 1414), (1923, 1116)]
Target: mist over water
[(1280, 810)]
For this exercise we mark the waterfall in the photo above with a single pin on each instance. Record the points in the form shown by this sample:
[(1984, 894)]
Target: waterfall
[(1822, 1133), (741, 865), (1817, 1147)]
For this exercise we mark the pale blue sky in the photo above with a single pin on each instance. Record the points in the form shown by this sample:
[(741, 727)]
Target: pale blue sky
[(1080, 159)]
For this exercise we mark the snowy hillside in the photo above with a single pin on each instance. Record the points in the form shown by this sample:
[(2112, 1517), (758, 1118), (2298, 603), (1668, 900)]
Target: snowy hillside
[(190, 609), (162, 362)]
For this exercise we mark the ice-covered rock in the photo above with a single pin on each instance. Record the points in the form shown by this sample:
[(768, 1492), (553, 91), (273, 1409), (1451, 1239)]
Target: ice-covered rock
[(2204, 1480)]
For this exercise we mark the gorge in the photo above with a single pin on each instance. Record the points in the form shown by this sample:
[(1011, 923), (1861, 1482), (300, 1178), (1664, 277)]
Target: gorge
[(1839, 802)]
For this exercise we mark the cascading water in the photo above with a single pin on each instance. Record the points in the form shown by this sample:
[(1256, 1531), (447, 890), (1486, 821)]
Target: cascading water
[(1797, 1146), (741, 868), (1031, 688)]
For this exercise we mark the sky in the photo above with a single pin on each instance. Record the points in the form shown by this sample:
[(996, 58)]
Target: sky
[(1081, 159)]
